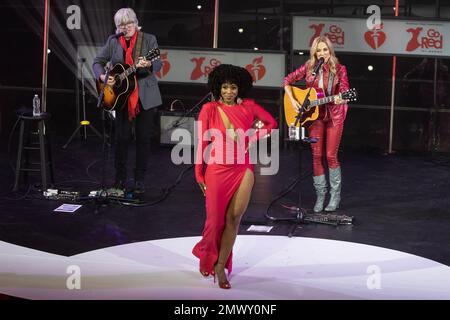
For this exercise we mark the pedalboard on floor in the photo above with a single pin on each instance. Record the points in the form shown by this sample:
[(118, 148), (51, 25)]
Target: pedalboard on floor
[(75, 196), (56, 194), (329, 218)]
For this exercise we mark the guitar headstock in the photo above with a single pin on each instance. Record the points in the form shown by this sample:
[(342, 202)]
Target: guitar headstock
[(350, 95), (153, 54)]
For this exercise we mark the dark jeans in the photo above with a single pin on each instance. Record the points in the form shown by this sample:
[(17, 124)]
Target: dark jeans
[(143, 125)]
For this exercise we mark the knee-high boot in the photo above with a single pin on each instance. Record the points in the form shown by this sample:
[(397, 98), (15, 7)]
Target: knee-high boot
[(335, 189), (320, 184)]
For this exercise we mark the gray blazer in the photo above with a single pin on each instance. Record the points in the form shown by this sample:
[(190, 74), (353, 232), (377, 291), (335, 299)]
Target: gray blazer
[(149, 94)]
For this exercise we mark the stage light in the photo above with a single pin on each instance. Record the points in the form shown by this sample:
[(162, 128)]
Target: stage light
[(301, 53), (49, 51), (255, 48), (265, 18), (199, 7), (370, 67), (241, 30), (65, 37)]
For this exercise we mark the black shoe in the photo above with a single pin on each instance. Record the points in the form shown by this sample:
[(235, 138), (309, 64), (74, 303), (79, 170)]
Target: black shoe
[(139, 187)]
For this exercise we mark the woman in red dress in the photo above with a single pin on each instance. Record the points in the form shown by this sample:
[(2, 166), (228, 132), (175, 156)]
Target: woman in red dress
[(332, 78), (223, 169)]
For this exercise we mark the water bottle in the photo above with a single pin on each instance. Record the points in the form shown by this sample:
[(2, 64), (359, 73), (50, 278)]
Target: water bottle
[(36, 106), (294, 132)]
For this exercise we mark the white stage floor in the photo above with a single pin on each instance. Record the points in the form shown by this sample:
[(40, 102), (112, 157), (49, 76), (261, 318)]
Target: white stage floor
[(265, 267)]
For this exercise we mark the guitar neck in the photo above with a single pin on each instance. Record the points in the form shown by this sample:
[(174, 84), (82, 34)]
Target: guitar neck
[(150, 56), (323, 100), (127, 72)]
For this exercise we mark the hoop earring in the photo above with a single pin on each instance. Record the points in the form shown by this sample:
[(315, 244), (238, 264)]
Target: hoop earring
[(239, 101)]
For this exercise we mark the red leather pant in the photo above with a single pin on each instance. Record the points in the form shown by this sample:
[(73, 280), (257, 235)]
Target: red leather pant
[(329, 138)]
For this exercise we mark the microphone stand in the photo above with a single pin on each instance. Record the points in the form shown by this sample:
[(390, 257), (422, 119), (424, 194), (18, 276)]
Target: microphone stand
[(300, 212), (306, 101), (103, 198), (83, 123)]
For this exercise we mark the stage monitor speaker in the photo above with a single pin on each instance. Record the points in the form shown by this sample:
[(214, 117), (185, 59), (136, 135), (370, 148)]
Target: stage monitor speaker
[(170, 121)]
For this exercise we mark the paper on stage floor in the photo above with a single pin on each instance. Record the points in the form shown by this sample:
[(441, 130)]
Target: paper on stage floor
[(68, 207), (260, 228)]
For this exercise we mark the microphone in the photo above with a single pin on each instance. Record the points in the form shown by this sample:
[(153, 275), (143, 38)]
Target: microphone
[(117, 35), (318, 65)]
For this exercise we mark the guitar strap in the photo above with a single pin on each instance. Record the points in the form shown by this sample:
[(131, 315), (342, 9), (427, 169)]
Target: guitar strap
[(137, 53), (330, 87), (330, 83), (138, 46)]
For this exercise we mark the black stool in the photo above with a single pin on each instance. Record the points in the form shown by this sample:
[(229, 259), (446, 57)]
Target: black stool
[(28, 122)]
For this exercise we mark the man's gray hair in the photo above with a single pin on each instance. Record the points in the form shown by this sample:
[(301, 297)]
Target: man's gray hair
[(124, 16)]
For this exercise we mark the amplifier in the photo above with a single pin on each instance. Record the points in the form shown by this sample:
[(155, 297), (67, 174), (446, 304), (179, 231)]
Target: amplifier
[(171, 121)]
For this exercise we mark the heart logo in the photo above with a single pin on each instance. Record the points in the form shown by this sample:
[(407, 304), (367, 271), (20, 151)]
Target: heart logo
[(165, 67), (256, 69), (375, 38)]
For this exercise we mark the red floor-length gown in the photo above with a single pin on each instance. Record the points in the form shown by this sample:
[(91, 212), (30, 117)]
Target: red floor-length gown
[(223, 179)]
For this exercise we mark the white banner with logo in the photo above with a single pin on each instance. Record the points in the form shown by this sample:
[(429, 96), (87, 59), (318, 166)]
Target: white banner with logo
[(405, 37), (193, 66)]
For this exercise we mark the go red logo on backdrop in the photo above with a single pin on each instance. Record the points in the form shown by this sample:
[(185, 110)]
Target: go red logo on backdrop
[(256, 69), (317, 31), (201, 70), (432, 39), (165, 66), (334, 33)]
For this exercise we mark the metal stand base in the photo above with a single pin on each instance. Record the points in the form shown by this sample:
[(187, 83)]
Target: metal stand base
[(299, 214), (83, 124)]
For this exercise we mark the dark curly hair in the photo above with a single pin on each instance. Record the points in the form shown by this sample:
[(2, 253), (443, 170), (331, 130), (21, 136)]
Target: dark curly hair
[(232, 74)]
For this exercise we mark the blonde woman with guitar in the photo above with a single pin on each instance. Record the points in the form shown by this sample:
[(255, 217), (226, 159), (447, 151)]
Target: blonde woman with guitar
[(131, 90), (328, 121)]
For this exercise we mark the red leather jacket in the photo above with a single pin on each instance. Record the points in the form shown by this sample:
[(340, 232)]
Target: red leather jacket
[(340, 84)]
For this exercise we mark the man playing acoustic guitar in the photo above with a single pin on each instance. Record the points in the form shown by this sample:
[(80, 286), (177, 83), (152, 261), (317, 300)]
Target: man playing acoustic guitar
[(133, 91)]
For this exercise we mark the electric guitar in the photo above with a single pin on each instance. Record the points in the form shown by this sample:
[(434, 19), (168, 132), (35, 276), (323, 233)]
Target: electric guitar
[(312, 110), (116, 95)]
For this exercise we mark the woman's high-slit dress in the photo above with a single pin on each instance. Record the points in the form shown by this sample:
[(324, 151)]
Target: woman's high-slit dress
[(222, 178)]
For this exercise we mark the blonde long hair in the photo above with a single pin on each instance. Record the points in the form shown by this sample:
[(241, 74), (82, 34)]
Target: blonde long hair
[(333, 61)]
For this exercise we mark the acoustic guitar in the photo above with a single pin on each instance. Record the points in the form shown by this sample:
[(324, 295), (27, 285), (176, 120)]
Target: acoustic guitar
[(313, 109), (116, 95)]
